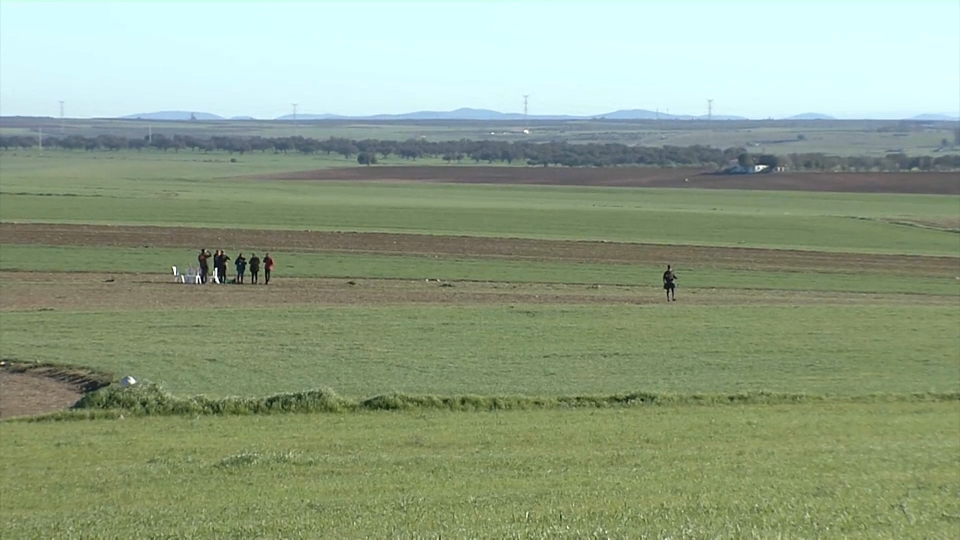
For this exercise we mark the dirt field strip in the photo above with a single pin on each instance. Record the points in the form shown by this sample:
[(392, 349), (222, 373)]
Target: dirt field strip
[(465, 246), (937, 183), (34, 291)]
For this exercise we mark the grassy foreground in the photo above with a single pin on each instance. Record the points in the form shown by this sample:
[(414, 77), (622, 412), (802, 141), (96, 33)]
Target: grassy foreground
[(798, 471), (497, 350)]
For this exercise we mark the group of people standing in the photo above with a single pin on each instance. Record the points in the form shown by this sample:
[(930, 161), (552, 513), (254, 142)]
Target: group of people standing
[(220, 259)]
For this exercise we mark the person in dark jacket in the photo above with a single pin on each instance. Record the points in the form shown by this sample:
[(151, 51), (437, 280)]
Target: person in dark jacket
[(669, 283), (222, 270), (217, 256), (267, 268), (241, 264), (202, 260), (254, 268)]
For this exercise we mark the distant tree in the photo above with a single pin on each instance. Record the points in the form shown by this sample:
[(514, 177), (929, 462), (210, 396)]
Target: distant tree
[(744, 160), (801, 137), (348, 150), (282, 146), (770, 160), (367, 158)]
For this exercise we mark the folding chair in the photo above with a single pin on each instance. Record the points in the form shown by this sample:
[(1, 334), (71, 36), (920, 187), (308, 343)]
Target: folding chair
[(192, 277)]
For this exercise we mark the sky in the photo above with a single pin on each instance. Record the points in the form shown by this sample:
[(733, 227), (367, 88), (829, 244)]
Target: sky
[(853, 59)]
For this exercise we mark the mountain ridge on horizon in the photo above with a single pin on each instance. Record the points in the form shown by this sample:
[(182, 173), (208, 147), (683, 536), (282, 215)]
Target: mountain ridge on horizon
[(475, 114)]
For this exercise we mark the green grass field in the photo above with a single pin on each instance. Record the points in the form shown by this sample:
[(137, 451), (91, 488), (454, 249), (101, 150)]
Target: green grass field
[(871, 344), (84, 190), (360, 351), (796, 471)]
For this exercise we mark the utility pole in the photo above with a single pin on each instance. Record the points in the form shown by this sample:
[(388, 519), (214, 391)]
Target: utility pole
[(526, 121), (150, 134), (40, 140), (62, 128), (709, 122), (294, 119)]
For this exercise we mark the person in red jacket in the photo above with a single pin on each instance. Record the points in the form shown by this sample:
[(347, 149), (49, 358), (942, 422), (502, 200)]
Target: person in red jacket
[(267, 268)]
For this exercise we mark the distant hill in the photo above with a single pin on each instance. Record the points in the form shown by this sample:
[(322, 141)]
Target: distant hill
[(464, 113), (458, 114), (635, 114), (469, 114), (810, 116), (490, 115), (935, 118), (644, 114), (173, 115)]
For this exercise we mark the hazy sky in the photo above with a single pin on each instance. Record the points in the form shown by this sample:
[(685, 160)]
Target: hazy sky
[(757, 59)]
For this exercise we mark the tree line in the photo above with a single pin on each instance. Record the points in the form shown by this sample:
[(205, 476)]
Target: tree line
[(544, 154)]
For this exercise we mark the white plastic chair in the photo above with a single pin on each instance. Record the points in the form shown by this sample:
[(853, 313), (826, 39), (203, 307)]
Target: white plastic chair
[(191, 277)]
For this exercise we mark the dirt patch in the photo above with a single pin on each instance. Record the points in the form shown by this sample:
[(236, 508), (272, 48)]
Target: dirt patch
[(480, 247), (31, 389), (68, 292), (940, 183)]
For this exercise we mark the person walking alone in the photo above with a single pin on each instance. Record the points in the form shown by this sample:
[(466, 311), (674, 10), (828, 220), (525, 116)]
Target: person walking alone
[(267, 268), (669, 285), (254, 268)]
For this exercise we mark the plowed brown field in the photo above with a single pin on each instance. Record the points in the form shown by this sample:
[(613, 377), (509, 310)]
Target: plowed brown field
[(463, 246), (940, 183), (36, 291)]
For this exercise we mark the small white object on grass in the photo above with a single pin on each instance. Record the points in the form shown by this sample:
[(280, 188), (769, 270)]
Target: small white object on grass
[(127, 381)]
